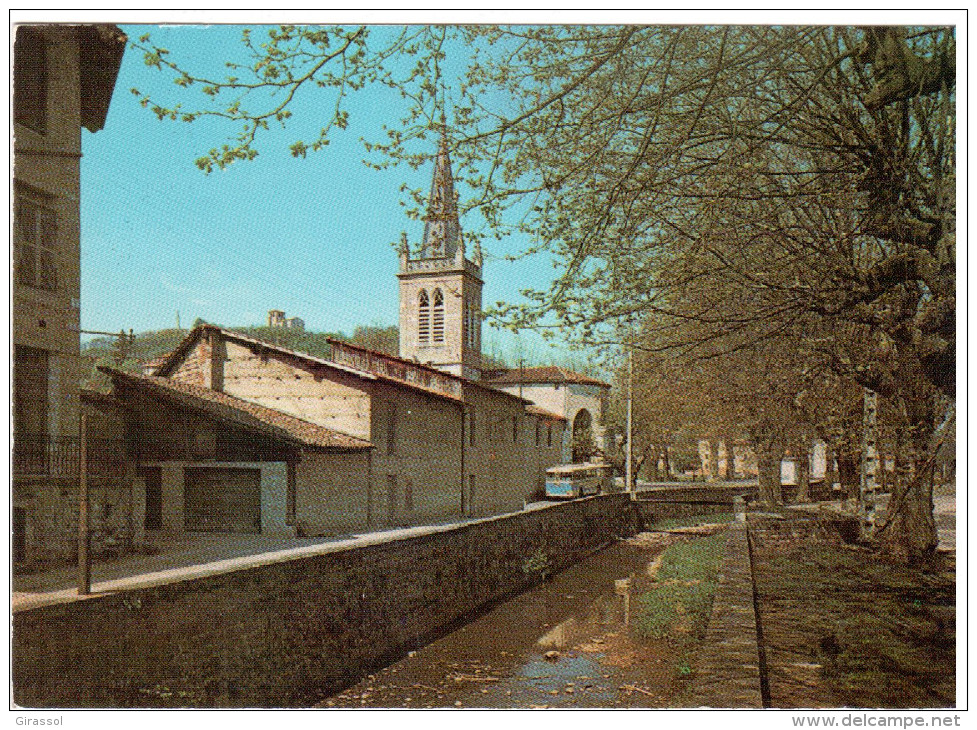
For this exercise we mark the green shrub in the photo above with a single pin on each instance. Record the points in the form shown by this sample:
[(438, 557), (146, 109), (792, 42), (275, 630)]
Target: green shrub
[(693, 560)]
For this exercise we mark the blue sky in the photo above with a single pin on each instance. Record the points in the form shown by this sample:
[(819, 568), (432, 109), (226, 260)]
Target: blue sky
[(310, 236)]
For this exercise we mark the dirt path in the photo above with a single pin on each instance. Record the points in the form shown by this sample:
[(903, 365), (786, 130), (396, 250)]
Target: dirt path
[(843, 628)]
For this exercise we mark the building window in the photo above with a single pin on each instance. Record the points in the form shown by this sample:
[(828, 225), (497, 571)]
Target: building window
[(30, 79), (31, 372), (469, 325), (35, 241), (423, 318), (438, 320)]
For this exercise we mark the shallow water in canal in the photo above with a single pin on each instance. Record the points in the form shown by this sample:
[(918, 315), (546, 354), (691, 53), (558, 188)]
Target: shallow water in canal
[(570, 642)]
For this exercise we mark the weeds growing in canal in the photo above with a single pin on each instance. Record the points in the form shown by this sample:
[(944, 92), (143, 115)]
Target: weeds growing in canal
[(538, 564), (678, 605)]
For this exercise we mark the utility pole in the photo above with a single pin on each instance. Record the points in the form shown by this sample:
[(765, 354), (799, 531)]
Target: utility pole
[(84, 537)]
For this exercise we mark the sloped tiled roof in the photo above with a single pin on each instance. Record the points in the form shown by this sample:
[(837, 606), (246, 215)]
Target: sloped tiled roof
[(156, 361), (358, 361), (547, 374), (241, 412)]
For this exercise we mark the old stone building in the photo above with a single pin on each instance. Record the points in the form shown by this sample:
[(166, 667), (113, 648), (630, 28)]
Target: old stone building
[(231, 433), (441, 324), (237, 434), (277, 318), (64, 76)]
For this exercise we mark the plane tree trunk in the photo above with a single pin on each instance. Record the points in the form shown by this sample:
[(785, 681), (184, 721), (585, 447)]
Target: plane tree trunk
[(907, 531), (804, 475), (769, 452)]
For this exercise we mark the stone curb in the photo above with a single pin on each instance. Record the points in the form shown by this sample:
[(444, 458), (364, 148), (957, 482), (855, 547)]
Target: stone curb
[(727, 666)]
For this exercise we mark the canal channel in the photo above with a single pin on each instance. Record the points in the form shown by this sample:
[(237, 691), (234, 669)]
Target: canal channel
[(576, 640)]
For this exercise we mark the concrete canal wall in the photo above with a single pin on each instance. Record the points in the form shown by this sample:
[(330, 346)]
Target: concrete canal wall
[(668, 502), (291, 633)]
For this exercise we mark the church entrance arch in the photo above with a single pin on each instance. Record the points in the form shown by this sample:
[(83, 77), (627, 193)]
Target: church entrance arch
[(582, 443)]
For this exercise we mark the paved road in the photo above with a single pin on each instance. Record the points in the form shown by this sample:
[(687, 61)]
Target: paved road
[(945, 514), (192, 555)]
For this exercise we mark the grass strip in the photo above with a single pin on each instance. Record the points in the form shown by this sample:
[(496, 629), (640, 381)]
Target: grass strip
[(678, 605)]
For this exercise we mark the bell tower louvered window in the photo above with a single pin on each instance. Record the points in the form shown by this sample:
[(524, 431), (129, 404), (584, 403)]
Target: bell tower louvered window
[(438, 320), (424, 318), (471, 326)]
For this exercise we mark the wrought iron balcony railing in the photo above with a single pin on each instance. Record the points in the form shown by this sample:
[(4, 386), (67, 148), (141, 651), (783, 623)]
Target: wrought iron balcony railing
[(42, 455)]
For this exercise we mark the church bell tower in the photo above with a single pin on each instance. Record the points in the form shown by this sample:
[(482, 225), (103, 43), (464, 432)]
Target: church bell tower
[(441, 290)]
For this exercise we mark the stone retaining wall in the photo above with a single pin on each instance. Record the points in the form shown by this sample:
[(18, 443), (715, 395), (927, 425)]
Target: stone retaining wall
[(649, 512), (292, 633), (706, 493)]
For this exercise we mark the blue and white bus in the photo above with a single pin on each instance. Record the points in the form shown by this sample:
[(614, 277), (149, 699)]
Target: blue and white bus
[(570, 481)]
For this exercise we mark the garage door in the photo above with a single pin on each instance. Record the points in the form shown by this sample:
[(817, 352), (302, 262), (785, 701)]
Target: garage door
[(222, 499)]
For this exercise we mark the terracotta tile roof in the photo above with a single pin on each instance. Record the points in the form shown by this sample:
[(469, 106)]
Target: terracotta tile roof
[(241, 412), (155, 363), (382, 363), (547, 374), (543, 413)]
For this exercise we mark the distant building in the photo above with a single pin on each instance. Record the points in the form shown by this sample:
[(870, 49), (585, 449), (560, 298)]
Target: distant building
[(64, 76), (277, 318)]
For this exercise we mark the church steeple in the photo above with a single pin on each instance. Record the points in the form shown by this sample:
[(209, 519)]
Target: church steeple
[(442, 231), (441, 290)]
